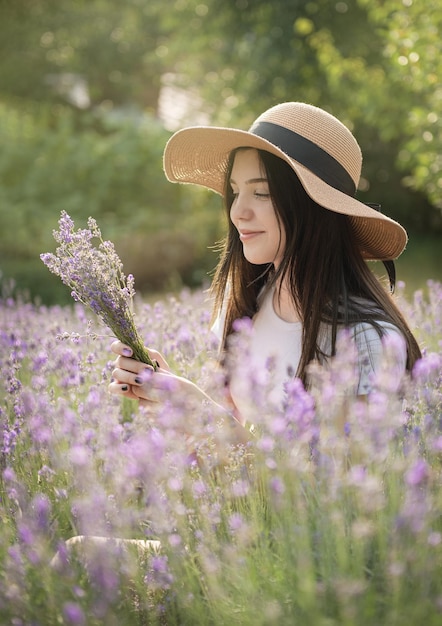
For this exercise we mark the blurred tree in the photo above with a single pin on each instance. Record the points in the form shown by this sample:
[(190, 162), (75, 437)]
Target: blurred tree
[(109, 169), (81, 75), (373, 63), (112, 46), (412, 48), (257, 51)]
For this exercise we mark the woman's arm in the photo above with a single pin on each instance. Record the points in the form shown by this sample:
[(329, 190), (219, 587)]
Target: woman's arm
[(136, 380)]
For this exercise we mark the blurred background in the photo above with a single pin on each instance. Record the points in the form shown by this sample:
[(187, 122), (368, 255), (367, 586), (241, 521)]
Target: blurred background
[(90, 91)]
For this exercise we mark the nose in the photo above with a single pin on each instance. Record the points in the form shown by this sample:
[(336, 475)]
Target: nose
[(240, 209)]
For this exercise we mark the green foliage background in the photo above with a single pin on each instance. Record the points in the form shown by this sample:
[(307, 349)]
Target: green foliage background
[(376, 64)]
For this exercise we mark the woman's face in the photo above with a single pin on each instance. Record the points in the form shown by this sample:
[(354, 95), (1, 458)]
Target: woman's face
[(252, 212)]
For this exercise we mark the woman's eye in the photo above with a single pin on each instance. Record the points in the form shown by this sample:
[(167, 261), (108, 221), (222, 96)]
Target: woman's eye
[(262, 194)]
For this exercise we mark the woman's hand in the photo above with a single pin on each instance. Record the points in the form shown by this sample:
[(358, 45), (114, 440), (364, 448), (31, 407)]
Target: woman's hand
[(138, 381)]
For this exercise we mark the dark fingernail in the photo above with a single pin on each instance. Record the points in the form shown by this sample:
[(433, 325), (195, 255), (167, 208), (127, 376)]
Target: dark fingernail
[(138, 380), (157, 364), (124, 388)]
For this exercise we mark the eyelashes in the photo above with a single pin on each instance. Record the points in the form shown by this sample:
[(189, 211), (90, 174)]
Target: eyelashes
[(262, 195), (257, 194)]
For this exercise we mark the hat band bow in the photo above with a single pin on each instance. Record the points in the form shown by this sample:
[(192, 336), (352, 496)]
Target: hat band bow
[(307, 153)]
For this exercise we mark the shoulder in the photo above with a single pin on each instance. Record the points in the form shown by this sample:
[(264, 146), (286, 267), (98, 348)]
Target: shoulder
[(375, 342), (376, 334)]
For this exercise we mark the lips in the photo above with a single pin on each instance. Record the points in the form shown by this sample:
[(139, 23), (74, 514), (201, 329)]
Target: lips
[(245, 235)]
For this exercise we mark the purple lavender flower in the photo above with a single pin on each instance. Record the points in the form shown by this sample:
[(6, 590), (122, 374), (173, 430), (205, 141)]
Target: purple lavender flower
[(42, 509), (428, 367), (418, 473), (236, 522), (95, 277), (73, 614), (277, 485), (159, 577)]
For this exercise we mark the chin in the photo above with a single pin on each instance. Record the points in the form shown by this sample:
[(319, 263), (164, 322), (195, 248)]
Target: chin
[(257, 261)]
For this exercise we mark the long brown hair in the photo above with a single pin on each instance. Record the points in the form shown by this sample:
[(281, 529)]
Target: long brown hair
[(329, 281)]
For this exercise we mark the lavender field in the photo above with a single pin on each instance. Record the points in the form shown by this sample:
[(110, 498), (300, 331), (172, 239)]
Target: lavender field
[(315, 523)]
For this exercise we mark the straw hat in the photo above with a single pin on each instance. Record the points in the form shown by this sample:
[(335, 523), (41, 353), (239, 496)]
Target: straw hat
[(319, 148)]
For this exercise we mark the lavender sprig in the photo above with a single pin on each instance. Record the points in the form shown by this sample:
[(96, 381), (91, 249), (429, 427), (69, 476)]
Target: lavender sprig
[(95, 276)]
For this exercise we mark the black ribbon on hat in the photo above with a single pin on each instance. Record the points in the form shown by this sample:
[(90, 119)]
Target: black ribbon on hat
[(389, 265), (309, 154)]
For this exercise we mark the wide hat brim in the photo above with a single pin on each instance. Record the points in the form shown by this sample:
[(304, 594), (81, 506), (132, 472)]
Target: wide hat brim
[(200, 155)]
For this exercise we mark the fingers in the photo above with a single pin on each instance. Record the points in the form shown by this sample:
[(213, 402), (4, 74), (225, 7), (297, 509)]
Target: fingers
[(133, 379), (131, 367), (146, 397), (121, 389), (158, 357), (128, 375), (122, 350), (140, 384)]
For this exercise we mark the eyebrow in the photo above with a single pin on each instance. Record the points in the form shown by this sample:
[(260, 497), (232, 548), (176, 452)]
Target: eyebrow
[(251, 181)]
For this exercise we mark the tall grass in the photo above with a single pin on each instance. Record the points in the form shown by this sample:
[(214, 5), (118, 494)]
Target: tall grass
[(331, 516)]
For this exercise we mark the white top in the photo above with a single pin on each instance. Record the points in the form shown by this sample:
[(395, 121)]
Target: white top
[(275, 347)]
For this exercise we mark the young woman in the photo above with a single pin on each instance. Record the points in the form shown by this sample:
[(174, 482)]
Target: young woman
[(294, 259)]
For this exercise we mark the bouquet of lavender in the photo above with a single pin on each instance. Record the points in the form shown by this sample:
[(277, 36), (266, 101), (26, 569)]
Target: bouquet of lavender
[(95, 275)]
